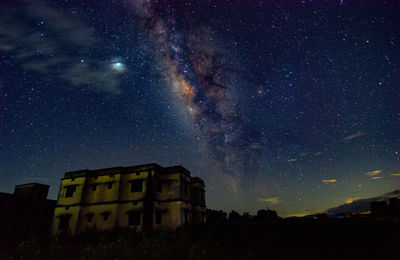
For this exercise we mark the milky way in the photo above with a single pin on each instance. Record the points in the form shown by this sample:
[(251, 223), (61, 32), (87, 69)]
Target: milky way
[(195, 69)]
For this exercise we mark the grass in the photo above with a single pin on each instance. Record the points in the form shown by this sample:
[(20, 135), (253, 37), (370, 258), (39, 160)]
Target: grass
[(283, 239)]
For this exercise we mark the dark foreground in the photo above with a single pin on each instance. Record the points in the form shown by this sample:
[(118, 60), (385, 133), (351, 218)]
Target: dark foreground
[(284, 239)]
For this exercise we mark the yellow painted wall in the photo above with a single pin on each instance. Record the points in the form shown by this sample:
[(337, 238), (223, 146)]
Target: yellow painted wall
[(125, 186), (79, 181), (171, 187), (73, 221), (67, 203), (97, 221), (102, 201), (123, 210), (102, 192), (172, 215)]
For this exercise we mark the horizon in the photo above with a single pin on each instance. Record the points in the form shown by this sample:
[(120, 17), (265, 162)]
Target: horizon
[(351, 204)]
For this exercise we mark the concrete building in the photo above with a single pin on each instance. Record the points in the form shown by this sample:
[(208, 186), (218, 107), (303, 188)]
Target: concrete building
[(27, 211), (141, 197)]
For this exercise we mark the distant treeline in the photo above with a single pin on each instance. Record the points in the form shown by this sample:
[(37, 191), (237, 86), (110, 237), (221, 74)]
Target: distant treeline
[(219, 216), (384, 209), (378, 209)]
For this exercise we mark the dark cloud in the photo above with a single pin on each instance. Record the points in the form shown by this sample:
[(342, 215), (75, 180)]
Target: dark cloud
[(356, 135), (40, 43), (393, 193)]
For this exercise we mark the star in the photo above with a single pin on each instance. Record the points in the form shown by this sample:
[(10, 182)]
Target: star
[(118, 66)]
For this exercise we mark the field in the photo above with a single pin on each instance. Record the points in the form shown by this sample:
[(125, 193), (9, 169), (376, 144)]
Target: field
[(281, 239)]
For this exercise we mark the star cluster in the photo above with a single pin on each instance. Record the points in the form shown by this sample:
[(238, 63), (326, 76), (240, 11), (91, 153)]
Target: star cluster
[(294, 105)]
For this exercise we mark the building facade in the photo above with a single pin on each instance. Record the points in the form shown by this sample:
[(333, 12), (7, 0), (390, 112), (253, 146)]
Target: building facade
[(142, 197), (27, 211)]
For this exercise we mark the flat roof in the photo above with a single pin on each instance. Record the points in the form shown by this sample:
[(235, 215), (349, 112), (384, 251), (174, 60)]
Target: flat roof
[(127, 169)]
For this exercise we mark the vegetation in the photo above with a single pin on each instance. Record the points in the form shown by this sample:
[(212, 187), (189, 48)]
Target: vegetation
[(283, 239)]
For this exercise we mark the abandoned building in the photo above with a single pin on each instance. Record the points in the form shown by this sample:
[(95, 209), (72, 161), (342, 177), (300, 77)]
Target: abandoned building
[(26, 211), (143, 197)]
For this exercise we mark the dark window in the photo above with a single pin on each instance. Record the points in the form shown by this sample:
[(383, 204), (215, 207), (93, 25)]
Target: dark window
[(134, 218), (159, 186), (94, 187), (109, 185), (70, 191), (89, 217), (105, 215), (137, 186), (185, 184), (64, 222), (158, 217), (137, 173), (186, 216)]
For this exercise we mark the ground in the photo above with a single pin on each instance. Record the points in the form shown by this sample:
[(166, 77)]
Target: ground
[(282, 239)]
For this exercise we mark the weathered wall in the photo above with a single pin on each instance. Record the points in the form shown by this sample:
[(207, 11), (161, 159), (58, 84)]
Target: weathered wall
[(126, 182), (124, 209), (102, 192), (97, 220), (77, 197), (172, 213), (170, 186), (69, 205), (73, 211), (174, 201)]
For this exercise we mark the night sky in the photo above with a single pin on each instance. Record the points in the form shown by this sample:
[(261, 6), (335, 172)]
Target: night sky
[(294, 105)]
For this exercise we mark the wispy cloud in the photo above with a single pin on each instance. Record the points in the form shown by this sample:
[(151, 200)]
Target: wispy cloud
[(317, 153), (273, 200), (392, 193), (362, 205), (329, 181), (372, 173), (358, 134), (351, 200), (55, 44), (256, 146), (292, 160)]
